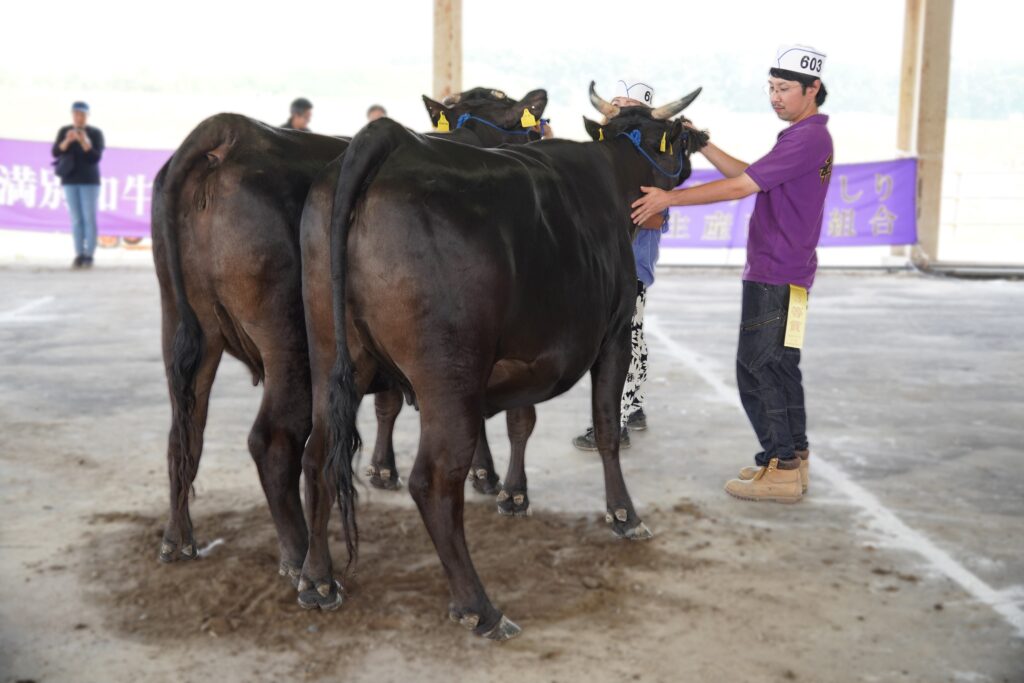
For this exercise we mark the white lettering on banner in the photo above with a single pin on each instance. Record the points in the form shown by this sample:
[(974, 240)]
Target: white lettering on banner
[(883, 186), (108, 194), (53, 193), (883, 221), (847, 197), (842, 223), (138, 190), (678, 226), (41, 188), (718, 226), (18, 184)]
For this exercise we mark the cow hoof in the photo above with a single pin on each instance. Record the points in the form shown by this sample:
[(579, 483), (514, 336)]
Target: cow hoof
[(484, 481), (505, 630), (170, 552), (639, 532), (513, 504), (326, 596), (291, 571), (383, 478), (627, 525)]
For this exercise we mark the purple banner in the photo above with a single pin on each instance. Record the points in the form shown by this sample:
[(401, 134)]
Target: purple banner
[(31, 197), (868, 204)]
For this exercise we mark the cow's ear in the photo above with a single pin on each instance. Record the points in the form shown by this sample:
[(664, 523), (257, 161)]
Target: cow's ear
[(677, 129), (535, 101), (594, 129), (696, 140), (435, 109)]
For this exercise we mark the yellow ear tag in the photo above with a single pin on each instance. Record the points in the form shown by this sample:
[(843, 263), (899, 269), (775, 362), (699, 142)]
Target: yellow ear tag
[(663, 136), (600, 133), (528, 120), (442, 124), (670, 149)]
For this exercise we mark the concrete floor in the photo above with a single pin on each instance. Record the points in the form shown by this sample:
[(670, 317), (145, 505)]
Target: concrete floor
[(915, 393)]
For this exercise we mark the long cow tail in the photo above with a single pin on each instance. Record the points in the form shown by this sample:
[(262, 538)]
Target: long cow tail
[(208, 143), (362, 160)]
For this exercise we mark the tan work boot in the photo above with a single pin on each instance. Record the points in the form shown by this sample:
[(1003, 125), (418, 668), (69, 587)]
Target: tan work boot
[(748, 473), (771, 483)]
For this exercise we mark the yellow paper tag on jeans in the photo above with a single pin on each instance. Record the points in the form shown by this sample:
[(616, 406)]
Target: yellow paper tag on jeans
[(796, 319)]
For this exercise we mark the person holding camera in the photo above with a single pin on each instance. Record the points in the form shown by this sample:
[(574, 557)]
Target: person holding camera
[(77, 152)]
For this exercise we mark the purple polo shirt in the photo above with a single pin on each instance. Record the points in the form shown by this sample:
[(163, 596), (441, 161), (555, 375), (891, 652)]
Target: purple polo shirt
[(786, 223)]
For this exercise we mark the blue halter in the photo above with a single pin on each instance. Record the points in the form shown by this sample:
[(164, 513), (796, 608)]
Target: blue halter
[(526, 131), (635, 137)]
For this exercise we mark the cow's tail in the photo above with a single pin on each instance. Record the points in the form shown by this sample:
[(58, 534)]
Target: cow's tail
[(362, 159), (204, 149)]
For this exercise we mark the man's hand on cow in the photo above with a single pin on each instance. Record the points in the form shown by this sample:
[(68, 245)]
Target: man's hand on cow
[(653, 203)]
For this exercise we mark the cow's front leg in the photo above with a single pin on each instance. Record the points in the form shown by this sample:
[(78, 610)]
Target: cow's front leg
[(607, 378)]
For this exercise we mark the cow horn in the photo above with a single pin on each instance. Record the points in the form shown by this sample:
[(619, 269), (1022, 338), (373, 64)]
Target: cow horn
[(451, 99), (667, 111), (604, 106)]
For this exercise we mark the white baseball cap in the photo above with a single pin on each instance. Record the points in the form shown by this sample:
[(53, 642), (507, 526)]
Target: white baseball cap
[(635, 89), (800, 59)]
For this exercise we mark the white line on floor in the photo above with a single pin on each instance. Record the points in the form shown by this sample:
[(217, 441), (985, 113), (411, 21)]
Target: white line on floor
[(12, 316), (883, 520)]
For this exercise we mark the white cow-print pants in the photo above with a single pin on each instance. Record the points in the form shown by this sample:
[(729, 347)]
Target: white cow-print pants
[(633, 389)]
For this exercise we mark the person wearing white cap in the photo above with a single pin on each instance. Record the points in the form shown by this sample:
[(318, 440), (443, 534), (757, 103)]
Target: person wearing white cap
[(791, 182), (632, 92)]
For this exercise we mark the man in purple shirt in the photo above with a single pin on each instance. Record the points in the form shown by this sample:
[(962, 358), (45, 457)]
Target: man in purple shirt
[(791, 181)]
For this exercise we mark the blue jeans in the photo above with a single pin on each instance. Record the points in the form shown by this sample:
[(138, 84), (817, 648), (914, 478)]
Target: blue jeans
[(82, 201), (768, 373)]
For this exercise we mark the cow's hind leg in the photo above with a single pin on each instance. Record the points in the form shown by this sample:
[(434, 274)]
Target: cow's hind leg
[(276, 443), (382, 471), (184, 449), (607, 377), (485, 479), (513, 499), (449, 428)]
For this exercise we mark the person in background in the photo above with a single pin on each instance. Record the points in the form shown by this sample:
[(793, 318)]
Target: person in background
[(301, 115), (77, 153), (635, 93), (375, 112)]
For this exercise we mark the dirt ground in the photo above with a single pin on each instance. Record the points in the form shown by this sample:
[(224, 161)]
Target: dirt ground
[(922, 408)]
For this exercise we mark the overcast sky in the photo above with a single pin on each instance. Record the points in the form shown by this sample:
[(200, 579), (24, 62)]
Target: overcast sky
[(381, 51)]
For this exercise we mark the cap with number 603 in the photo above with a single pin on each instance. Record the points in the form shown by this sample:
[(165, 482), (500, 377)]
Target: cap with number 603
[(800, 59)]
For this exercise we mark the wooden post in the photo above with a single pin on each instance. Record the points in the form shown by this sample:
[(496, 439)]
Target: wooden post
[(930, 128), (447, 48), (909, 71)]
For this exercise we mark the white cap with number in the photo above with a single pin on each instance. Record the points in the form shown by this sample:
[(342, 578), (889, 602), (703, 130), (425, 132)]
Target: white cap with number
[(800, 59), (634, 89)]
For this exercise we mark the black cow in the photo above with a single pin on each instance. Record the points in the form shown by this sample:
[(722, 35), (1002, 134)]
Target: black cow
[(479, 117), (482, 117), (225, 223), (482, 281)]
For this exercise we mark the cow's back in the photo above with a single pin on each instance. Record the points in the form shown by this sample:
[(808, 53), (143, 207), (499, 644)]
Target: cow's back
[(513, 250)]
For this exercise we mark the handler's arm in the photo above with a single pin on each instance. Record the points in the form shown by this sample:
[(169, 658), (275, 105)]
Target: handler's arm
[(655, 201), (728, 166)]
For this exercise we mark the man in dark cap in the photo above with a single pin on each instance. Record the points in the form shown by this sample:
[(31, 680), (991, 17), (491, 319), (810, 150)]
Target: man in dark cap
[(302, 114)]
